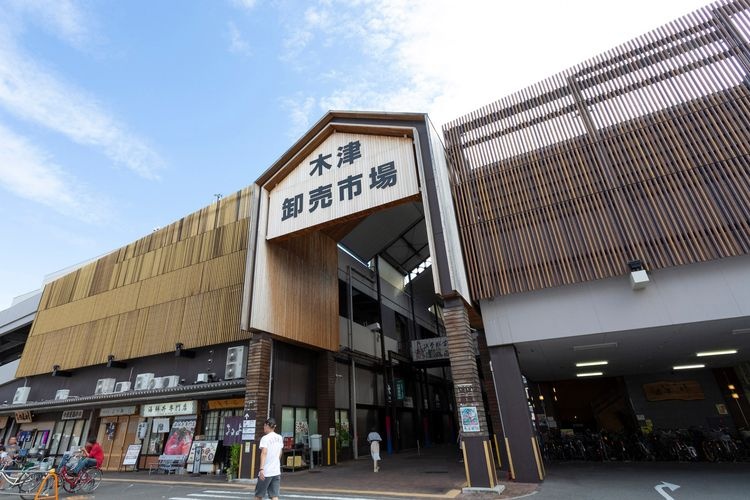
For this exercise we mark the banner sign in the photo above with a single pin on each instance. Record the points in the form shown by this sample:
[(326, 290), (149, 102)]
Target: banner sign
[(232, 430), (180, 437), (118, 411), (345, 175), (169, 409), (429, 349)]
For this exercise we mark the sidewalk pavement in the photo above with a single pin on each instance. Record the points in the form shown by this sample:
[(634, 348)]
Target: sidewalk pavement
[(434, 473)]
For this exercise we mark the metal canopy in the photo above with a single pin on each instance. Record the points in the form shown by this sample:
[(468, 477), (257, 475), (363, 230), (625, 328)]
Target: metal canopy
[(398, 234)]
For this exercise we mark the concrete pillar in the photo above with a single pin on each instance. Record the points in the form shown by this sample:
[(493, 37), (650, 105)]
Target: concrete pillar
[(472, 423), (497, 436), (257, 394), (522, 447)]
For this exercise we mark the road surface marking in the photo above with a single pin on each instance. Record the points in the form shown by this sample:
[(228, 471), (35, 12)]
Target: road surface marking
[(660, 489)]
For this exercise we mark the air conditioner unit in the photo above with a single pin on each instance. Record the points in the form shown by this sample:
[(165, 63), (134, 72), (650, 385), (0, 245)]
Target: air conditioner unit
[(155, 383), (170, 381), (202, 378), (122, 386), (21, 396), (105, 386), (235, 362), (62, 394), (142, 381)]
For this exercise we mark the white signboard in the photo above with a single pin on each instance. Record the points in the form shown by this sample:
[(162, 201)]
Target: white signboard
[(131, 456), (248, 430), (117, 411), (428, 349), (345, 175), (169, 409)]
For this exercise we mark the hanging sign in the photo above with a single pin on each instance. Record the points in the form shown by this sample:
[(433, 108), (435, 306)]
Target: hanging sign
[(345, 175), (232, 430), (23, 417)]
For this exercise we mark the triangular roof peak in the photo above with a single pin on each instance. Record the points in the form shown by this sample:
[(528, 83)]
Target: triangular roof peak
[(336, 121)]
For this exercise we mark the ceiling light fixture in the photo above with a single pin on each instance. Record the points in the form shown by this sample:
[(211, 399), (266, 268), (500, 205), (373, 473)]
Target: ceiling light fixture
[(687, 367), (716, 353), (589, 374), (592, 363), (589, 347)]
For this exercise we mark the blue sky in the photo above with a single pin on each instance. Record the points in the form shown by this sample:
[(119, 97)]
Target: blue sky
[(117, 117)]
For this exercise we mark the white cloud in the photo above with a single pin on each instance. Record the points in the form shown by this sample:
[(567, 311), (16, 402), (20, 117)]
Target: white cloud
[(237, 43), (63, 17), (29, 173), (32, 93), (448, 58), (299, 109), (245, 4)]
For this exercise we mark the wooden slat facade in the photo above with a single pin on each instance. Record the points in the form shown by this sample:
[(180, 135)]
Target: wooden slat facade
[(638, 153), (182, 283)]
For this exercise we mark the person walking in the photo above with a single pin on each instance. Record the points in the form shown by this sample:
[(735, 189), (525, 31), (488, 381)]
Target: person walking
[(271, 447), (374, 439)]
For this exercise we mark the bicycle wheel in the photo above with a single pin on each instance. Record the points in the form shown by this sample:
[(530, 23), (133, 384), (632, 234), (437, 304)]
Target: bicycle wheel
[(29, 486), (91, 480), (71, 487)]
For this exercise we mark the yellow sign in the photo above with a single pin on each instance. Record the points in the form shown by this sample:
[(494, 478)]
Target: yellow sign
[(220, 404), (685, 390)]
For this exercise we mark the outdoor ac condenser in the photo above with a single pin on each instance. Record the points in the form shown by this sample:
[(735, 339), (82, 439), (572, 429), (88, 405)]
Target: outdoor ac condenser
[(122, 386), (21, 396), (142, 381), (62, 394), (235, 359), (105, 386)]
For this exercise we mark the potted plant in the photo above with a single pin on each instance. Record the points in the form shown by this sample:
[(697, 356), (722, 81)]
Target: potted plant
[(234, 461)]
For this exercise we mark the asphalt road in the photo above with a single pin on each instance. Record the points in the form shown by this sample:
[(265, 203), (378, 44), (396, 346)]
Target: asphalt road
[(627, 481)]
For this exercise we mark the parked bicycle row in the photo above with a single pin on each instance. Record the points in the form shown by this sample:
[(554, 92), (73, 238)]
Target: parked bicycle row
[(684, 445)]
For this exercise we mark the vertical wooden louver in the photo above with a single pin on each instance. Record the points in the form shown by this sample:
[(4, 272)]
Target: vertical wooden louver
[(638, 153), (182, 283)]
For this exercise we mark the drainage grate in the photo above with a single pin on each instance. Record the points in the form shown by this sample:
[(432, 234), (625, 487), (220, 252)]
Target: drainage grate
[(434, 472)]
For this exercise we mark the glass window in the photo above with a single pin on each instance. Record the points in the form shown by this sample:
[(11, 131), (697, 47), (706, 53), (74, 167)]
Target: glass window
[(287, 421), (56, 436), (65, 440)]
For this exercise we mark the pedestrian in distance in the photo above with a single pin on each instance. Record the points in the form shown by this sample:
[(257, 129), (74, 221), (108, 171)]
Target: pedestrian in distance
[(374, 439), (269, 477)]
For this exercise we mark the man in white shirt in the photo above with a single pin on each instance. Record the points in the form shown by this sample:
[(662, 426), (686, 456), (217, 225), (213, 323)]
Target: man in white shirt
[(269, 476)]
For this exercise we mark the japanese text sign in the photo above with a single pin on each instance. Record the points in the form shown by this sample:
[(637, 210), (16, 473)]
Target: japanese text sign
[(345, 175)]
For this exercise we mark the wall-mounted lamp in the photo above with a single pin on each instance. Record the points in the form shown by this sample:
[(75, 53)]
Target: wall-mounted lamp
[(111, 363), (181, 352), (638, 275), (57, 372)]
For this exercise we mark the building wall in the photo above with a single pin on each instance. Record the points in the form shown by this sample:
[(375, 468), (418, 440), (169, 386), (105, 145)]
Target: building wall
[(638, 153), (678, 414), (700, 292), (182, 283)]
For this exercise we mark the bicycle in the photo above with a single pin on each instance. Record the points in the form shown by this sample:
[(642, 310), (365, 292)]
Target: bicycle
[(26, 480), (86, 481)]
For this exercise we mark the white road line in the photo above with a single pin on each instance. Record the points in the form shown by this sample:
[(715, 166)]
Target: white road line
[(249, 493), (202, 495), (180, 498), (313, 497)]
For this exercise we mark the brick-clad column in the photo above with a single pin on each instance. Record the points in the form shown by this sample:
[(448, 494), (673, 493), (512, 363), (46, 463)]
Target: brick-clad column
[(326, 398), (479, 464), (257, 393)]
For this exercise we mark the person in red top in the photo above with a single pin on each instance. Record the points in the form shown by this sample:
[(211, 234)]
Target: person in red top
[(93, 456)]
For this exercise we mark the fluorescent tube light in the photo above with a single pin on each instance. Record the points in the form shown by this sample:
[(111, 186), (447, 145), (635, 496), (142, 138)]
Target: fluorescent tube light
[(716, 353), (687, 367), (592, 363), (588, 347), (589, 374)]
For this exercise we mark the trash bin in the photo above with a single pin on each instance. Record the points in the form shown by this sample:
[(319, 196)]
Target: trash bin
[(316, 442)]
